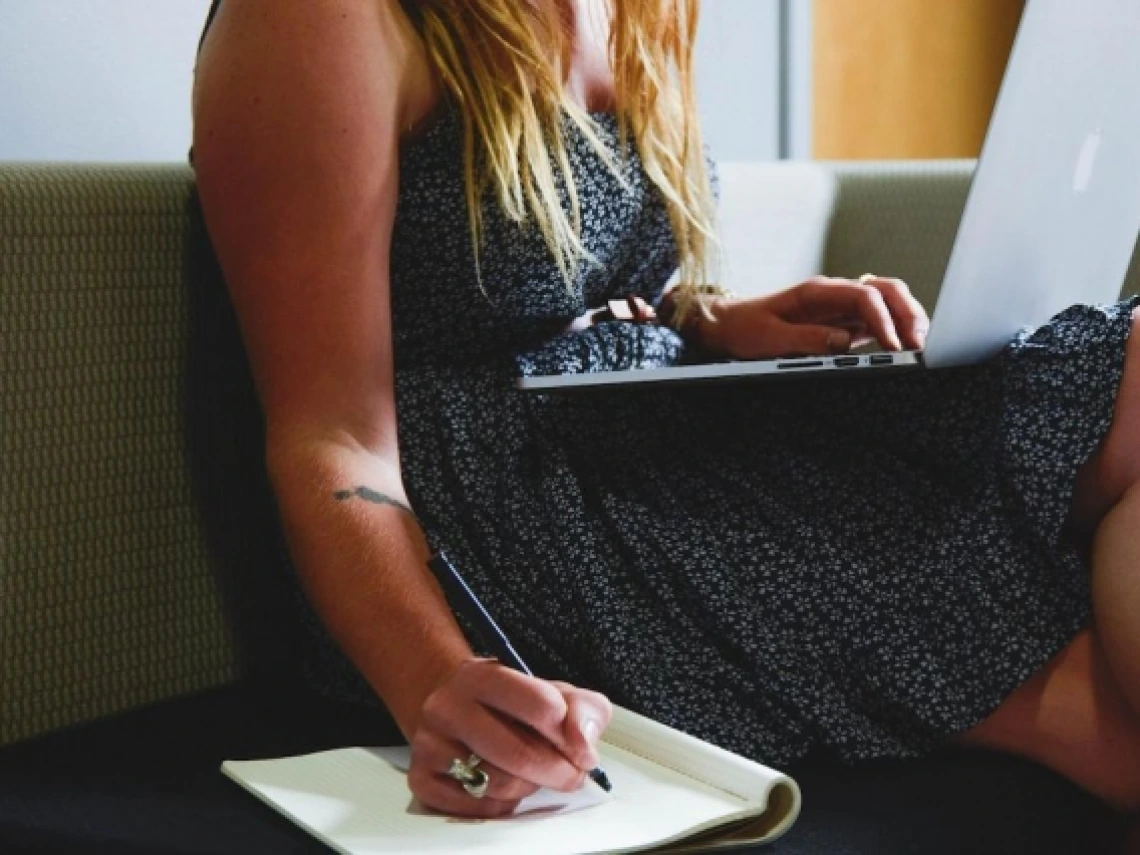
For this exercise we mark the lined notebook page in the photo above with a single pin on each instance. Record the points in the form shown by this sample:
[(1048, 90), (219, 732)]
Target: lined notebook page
[(357, 801)]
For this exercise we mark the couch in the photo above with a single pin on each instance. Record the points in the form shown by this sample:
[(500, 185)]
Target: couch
[(146, 617)]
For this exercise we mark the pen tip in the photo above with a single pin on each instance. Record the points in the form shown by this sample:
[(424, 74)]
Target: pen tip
[(598, 776)]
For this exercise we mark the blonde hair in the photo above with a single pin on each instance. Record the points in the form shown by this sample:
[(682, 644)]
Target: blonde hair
[(504, 63)]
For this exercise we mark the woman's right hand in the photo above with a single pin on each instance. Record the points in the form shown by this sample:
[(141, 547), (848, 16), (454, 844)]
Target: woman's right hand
[(529, 733)]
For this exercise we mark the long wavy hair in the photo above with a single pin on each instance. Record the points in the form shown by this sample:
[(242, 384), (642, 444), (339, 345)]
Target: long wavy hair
[(504, 63)]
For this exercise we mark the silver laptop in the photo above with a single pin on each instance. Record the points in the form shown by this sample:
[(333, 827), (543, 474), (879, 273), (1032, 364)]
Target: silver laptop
[(1053, 213)]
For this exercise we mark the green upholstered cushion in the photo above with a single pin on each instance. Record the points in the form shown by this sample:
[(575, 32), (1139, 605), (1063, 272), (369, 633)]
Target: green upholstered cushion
[(900, 219)]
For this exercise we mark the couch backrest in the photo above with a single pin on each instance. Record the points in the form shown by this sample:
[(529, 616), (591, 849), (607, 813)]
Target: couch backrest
[(773, 223), (900, 219), (141, 555), (106, 599), (139, 552)]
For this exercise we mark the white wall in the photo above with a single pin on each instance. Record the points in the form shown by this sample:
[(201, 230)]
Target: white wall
[(110, 80), (800, 82), (738, 66), (97, 79)]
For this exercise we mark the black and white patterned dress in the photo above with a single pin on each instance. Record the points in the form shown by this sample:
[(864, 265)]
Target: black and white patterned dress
[(862, 567)]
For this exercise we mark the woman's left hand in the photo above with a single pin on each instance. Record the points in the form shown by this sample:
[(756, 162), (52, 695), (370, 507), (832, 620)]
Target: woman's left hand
[(820, 316)]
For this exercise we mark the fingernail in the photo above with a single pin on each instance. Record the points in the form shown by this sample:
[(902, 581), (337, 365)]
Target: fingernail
[(921, 334), (839, 342), (591, 730)]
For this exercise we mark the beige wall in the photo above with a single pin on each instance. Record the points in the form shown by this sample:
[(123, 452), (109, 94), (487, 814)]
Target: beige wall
[(908, 78)]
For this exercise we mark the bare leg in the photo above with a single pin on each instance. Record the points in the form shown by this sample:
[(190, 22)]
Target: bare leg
[(1072, 718), (1108, 498), (1116, 603), (1116, 593)]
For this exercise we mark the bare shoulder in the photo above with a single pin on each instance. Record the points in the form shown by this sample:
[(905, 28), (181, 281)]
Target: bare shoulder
[(298, 113), (326, 41)]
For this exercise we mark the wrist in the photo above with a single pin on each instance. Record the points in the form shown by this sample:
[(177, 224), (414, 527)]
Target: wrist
[(709, 332), (425, 675), (700, 321)]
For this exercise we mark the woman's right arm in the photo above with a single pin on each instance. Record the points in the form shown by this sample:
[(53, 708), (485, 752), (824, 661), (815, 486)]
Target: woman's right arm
[(298, 109), (297, 116)]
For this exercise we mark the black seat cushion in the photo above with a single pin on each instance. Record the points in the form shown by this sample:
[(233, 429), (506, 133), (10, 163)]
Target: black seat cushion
[(148, 782)]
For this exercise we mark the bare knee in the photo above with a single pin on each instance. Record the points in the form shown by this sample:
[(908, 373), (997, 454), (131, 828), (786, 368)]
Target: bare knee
[(1116, 593)]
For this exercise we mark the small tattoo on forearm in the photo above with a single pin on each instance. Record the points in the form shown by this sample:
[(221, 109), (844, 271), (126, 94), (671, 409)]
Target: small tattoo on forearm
[(372, 496)]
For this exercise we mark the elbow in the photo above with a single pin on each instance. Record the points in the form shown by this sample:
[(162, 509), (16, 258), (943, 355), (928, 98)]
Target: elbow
[(326, 462)]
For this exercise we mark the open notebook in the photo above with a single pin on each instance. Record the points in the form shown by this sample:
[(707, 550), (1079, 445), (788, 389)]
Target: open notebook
[(671, 791)]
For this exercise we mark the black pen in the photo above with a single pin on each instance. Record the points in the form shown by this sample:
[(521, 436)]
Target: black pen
[(464, 601)]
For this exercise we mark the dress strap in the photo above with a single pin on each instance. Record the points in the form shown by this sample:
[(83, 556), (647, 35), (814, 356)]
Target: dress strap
[(214, 6)]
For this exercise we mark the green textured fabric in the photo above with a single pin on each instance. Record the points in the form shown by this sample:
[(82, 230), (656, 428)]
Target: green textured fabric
[(900, 219), (106, 597), (121, 372)]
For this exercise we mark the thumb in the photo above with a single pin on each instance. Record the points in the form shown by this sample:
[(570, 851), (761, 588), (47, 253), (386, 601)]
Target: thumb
[(587, 717), (808, 340)]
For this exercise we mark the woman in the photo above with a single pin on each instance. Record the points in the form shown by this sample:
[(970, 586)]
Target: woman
[(414, 202)]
